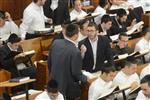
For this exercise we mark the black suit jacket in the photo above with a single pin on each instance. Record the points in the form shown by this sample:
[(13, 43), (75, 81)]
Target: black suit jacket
[(60, 15), (64, 63), (104, 52), (7, 61), (115, 29)]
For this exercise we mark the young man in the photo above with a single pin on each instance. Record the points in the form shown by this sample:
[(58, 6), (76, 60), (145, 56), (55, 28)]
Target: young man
[(105, 25), (65, 62), (8, 55), (77, 11), (51, 92), (127, 75), (144, 43), (95, 50), (101, 8), (102, 83), (144, 94), (7, 26), (33, 19), (122, 46)]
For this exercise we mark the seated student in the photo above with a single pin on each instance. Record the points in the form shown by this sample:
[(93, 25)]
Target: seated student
[(51, 92), (145, 71), (8, 58), (101, 8), (120, 23), (95, 50), (144, 94), (83, 30), (144, 43), (105, 25), (122, 46), (7, 26), (102, 83), (127, 75), (77, 11)]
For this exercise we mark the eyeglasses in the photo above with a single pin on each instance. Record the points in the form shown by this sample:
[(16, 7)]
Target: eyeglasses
[(91, 30)]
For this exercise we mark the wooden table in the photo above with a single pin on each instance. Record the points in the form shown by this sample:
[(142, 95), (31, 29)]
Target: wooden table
[(146, 19), (8, 84)]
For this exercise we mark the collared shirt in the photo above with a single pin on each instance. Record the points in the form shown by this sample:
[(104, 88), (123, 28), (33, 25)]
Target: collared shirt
[(75, 14), (97, 88), (10, 48), (33, 19), (75, 43), (121, 80), (54, 4), (8, 28), (102, 12), (141, 96), (94, 49), (104, 31), (145, 71), (44, 96), (142, 45)]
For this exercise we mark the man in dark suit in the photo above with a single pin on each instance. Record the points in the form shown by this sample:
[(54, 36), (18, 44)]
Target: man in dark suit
[(57, 10), (8, 55), (120, 23), (65, 62), (95, 50)]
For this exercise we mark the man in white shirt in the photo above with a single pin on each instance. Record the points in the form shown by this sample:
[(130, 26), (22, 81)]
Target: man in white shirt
[(145, 71), (33, 19), (144, 43), (51, 92), (7, 26), (102, 83), (77, 12), (101, 8), (127, 76), (144, 94)]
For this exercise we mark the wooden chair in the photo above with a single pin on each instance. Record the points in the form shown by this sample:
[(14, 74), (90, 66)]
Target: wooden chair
[(140, 68), (132, 43), (4, 76)]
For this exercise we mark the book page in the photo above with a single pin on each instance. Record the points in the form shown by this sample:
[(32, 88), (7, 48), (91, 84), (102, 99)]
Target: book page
[(43, 29), (123, 56), (114, 37), (57, 28), (135, 27), (144, 51), (88, 74), (29, 52), (95, 14)]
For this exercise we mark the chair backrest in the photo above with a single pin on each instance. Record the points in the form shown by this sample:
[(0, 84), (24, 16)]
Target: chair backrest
[(4, 76)]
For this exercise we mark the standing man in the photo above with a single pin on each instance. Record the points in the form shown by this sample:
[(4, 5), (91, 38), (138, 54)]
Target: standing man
[(57, 10), (33, 19), (95, 50), (65, 62)]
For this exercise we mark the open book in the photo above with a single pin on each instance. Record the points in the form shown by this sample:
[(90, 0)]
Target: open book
[(57, 28), (135, 27), (44, 30), (91, 75), (108, 93), (29, 52)]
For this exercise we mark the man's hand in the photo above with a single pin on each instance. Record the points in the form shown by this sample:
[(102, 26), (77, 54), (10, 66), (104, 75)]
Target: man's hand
[(19, 55), (50, 21)]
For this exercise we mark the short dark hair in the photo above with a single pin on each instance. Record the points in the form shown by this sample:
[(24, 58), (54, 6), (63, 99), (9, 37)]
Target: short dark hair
[(91, 24), (103, 3), (122, 34), (52, 86), (107, 68), (71, 30), (2, 14), (129, 61), (81, 23), (105, 19), (121, 12), (146, 79), (13, 38)]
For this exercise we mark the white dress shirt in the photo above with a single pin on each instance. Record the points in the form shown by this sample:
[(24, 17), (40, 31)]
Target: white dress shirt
[(102, 12), (94, 49), (122, 80), (98, 87), (44, 96), (8, 28), (142, 45), (145, 71), (141, 96), (75, 14), (33, 18)]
